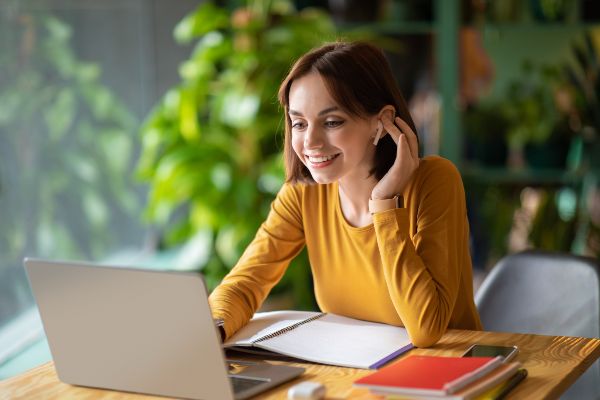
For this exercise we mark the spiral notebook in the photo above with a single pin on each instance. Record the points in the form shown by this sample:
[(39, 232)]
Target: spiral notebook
[(322, 338)]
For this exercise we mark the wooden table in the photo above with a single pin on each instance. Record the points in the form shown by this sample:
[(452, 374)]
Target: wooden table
[(554, 363)]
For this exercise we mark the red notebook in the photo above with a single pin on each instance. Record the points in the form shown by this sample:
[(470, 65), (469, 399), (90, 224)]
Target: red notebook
[(429, 375)]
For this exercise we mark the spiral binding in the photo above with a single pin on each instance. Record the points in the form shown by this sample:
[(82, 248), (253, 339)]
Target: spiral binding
[(288, 328)]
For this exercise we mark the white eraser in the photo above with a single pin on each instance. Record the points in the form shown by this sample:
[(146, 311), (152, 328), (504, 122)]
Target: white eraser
[(307, 391)]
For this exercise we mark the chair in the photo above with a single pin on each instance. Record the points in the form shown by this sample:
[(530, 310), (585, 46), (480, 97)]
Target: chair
[(545, 293)]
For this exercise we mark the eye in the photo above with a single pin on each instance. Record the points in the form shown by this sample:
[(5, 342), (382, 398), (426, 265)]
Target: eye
[(298, 124), (333, 123)]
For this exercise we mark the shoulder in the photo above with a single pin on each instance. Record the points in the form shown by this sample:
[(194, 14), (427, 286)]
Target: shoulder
[(438, 183), (290, 193), (437, 170), (288, 203), (307, 197), (301, 201)]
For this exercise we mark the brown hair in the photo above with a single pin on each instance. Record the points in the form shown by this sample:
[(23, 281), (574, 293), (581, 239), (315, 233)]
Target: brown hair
[(360, 80)]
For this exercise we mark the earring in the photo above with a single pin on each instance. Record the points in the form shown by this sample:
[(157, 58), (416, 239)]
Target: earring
[(379, 131)]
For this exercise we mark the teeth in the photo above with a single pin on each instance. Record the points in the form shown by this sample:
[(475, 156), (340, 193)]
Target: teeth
[(320, 159)]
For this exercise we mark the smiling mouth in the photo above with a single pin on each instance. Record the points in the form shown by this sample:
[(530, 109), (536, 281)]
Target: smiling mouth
[(321, 159)]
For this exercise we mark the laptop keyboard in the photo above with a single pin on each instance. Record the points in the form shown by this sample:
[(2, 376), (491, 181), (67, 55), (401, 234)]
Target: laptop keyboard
[(240, 384)]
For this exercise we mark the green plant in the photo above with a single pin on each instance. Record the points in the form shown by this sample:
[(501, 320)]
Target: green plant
[(211, 149), (66, 145), (582, 95), (67, 137), (582, 104), (555, 222), (530, 108)]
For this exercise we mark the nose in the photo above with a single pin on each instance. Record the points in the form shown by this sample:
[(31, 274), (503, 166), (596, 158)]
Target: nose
[(313, 139)]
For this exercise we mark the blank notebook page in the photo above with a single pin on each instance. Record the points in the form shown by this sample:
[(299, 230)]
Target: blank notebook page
[(349, 342)]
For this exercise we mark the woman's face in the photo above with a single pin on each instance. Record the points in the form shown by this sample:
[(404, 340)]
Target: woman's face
[(331, 143)]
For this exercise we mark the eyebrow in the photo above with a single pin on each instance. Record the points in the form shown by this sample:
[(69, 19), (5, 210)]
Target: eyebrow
[(325, 111)]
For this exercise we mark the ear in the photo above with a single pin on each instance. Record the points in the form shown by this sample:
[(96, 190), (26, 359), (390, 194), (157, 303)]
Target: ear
[(388, 112)]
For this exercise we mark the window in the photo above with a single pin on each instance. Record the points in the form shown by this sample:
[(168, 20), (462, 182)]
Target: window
[(76, 81)]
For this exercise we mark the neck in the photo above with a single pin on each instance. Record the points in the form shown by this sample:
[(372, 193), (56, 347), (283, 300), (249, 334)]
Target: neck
[(355, 192)]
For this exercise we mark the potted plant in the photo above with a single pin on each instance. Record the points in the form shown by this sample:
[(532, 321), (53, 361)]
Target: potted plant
[(582, 103), (211, 147), (582, 97), (536, 126)]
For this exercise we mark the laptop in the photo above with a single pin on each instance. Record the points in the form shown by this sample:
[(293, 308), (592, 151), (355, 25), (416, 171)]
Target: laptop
[(140, 331)]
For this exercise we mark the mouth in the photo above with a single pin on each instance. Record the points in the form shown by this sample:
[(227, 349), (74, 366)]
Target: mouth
[(320, 161)]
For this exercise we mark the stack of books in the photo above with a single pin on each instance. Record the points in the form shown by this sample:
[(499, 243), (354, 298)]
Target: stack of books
[(432, 377)]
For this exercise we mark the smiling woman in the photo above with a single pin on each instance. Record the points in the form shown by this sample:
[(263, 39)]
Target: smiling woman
[(386, 230)]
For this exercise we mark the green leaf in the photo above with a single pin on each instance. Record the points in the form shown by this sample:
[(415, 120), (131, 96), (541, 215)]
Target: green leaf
[(101, 102), (60, 115), (221, 176), (226, 245), (96, 211), (205, 18), (10, 102), (188, 121), (57, 29), (239, 109), (117, 145), (171, 103), (82, 166), (87, 72)]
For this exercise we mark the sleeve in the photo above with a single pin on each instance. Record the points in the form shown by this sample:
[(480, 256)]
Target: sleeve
[(423, 273), (279, 239)]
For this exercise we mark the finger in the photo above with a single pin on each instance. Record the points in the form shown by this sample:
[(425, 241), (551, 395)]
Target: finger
[(392, 129), (410, 135), (404, 147)]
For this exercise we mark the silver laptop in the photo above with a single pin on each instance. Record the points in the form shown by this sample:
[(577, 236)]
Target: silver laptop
[(140, 331)]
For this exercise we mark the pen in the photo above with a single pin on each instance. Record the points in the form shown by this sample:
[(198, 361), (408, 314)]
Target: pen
[(512, 383)]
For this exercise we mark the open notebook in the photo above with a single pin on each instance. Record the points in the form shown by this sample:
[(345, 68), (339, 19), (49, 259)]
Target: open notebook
[(322, 338)]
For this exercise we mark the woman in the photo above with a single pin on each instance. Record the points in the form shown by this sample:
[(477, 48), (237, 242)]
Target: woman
[(386, 232)]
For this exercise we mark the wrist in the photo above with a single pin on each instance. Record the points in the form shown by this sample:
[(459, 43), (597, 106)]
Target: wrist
[(383, 196), (379, 205)]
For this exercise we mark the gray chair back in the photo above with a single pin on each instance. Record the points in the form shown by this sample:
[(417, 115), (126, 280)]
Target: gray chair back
[(545, 293)]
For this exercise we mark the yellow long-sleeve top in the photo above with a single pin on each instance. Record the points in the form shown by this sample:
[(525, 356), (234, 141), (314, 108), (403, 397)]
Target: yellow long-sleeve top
[(411, 267)]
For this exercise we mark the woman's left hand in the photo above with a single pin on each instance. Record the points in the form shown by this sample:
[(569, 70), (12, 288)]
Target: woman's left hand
[(406, 163)]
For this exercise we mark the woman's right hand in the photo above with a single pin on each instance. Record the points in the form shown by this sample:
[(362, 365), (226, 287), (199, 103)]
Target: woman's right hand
[(406, 162)]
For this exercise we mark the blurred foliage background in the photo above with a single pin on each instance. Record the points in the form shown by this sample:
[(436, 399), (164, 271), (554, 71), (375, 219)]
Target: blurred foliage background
[(66, 145), (539, 142)]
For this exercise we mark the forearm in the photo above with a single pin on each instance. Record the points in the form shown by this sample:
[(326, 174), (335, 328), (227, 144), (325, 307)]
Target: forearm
[(235, 300), (245, 288), (279, 239), (424, 300)]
